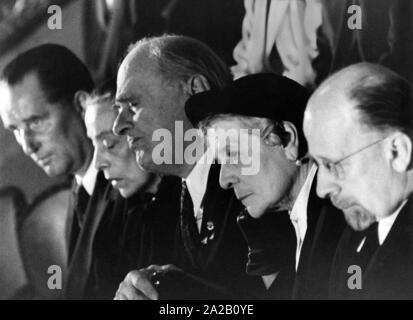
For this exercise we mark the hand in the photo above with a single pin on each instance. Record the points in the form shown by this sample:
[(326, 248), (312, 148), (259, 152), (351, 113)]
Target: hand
[(138, 286)]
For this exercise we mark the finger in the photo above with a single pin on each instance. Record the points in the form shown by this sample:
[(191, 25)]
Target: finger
[(128, 292), (153, 267), (170, 267), (140, 280)]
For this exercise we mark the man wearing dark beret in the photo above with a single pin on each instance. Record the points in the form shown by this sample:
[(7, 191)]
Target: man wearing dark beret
[(261, 115)]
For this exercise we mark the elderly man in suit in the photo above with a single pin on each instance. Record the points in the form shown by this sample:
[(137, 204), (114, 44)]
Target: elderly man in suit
[(359, 126), (154, 81), (282, 183)]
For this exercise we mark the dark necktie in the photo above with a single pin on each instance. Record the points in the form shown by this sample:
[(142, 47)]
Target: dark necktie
[(81, 202), (370, 246)]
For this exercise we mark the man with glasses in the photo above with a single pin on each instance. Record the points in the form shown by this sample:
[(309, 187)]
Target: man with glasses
[(359, 127)]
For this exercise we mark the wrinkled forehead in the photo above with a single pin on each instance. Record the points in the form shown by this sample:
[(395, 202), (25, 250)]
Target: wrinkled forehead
[(22, 100)]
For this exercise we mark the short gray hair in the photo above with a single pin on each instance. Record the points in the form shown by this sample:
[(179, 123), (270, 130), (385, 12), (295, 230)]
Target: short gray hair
[(180, 57)]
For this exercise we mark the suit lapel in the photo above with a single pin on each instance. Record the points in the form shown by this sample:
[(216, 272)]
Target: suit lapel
[(311, 238), (396, 241), (217, 210), (217, 203), (82, 256)]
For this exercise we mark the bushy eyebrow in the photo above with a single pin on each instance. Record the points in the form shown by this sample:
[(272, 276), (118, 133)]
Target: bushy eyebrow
[(125, 98)]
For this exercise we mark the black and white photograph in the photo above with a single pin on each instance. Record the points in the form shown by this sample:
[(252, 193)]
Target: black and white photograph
[(213, 155)]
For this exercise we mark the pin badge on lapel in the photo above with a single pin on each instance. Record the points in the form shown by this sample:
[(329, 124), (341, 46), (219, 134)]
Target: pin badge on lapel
[(211, 234)]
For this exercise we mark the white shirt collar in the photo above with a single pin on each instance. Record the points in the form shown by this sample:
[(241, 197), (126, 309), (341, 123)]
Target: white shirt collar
[(386, 224), (197, 183), (298, 214), (88, 180)]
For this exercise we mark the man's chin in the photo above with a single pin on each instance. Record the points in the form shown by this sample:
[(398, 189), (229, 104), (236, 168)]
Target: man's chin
[(358, 218), (125, 193), (255, 212), (52, 172)]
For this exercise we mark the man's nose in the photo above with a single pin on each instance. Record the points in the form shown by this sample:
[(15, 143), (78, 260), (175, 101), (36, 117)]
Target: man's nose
[(100, 160), (326, 184), (227, 177), (28, 142), (123, 123)]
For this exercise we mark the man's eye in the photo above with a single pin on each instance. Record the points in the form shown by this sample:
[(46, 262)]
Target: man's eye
[(36, 124), (329, 166), (134, 106), (109, 144)]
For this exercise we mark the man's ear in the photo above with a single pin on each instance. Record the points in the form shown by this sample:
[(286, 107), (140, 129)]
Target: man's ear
[(401, 152), (291, 141), (197, 84), (79, 101)]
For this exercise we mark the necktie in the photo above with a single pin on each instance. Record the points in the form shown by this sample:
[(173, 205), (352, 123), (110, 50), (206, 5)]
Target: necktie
[(189, 229), (79, 206), (371, 243), (81, 202)]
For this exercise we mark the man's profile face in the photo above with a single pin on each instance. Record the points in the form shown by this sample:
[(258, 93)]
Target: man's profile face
[(267, 188), (333, 129), (112, 154), (145, 104), (47, 132)]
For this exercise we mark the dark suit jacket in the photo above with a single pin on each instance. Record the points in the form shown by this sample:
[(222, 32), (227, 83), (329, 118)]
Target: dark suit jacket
[(389, 273), (222, 259), (134, 234), (82, 236), (325, 225), (120, 235), (76, 216)]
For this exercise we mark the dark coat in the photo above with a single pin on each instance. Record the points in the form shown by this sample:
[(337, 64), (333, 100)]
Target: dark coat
[(120, 235), (221, 259), (389, 272), (325, 225)]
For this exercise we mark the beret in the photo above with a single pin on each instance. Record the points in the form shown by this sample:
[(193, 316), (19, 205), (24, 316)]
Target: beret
[(264, 95)]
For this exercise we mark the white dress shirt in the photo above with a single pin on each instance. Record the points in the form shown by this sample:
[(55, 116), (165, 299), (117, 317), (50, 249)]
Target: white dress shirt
[(384, 227), (298, 214), (88, 180), (197, 183), (386, 224)]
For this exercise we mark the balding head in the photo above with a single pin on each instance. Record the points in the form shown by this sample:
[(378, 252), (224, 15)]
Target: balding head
[(381, 99), (358, 125)]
